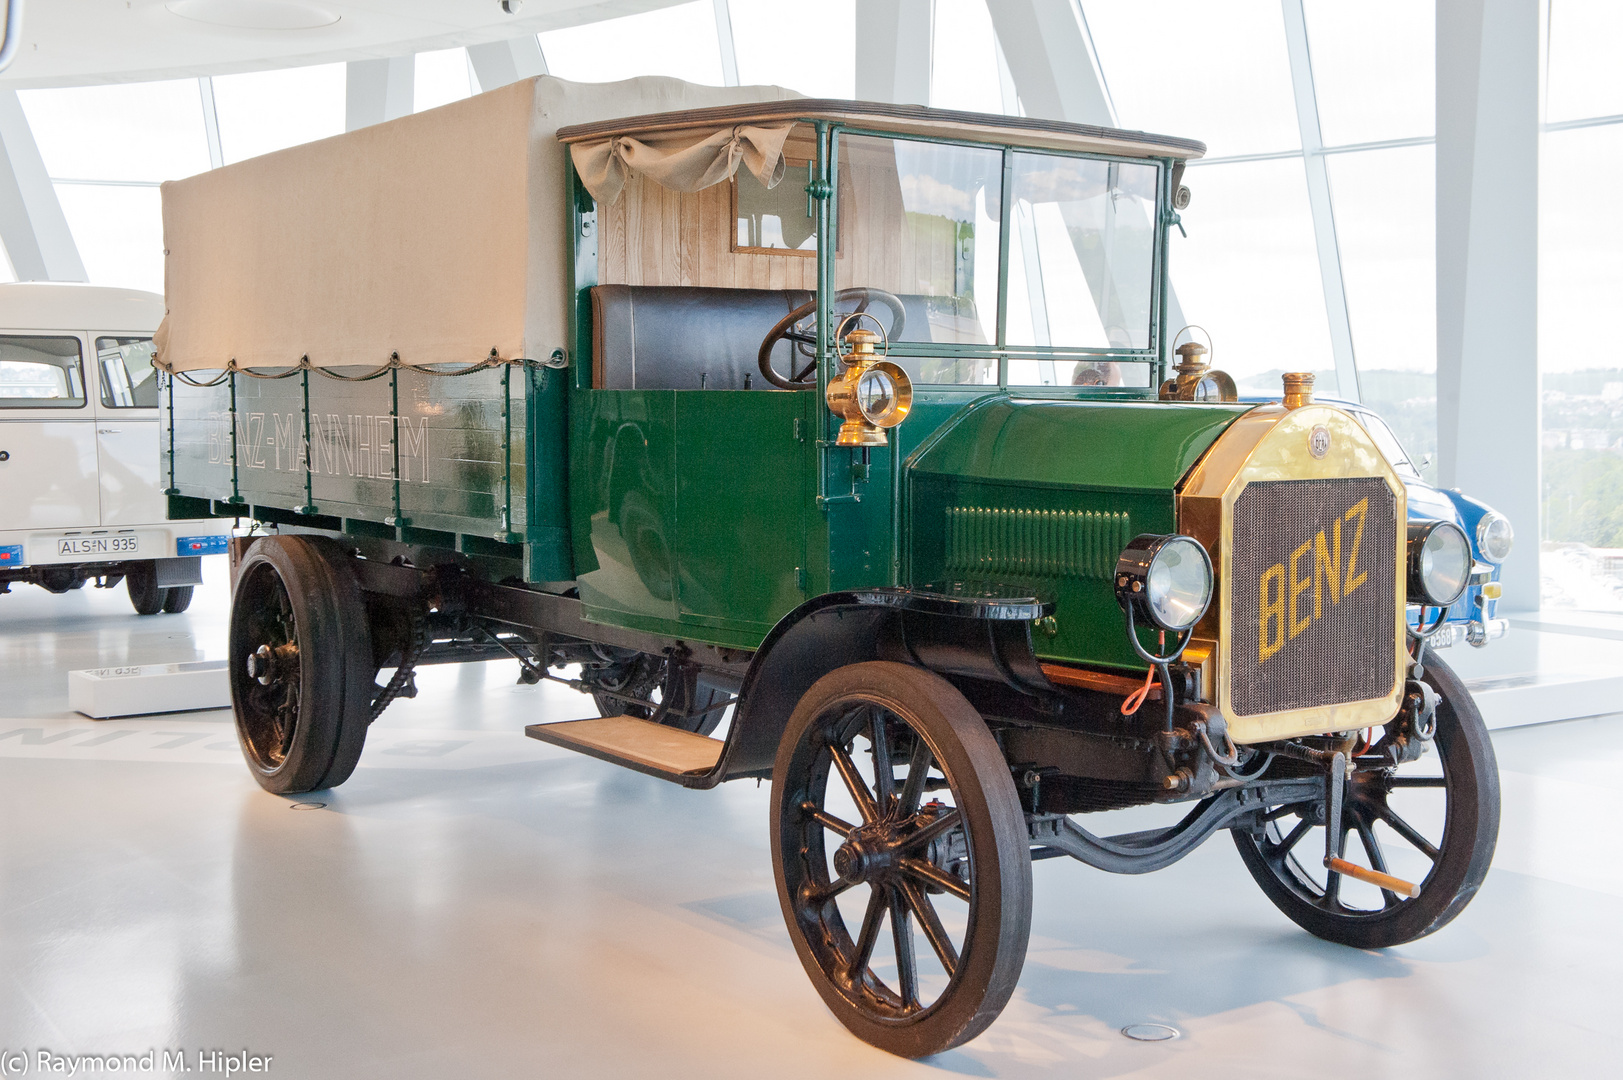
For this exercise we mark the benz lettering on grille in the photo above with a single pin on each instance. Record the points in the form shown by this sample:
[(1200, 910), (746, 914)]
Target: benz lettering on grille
[(1313, 592)]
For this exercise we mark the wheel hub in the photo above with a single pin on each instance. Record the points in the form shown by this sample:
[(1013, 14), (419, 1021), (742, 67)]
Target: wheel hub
[(867, 855), (267, 665)]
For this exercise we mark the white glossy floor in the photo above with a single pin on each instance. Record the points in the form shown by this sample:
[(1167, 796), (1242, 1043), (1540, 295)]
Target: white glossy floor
[(475, 904)]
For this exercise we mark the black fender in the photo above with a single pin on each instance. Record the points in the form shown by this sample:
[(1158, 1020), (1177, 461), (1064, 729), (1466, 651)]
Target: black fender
[(983, 637)]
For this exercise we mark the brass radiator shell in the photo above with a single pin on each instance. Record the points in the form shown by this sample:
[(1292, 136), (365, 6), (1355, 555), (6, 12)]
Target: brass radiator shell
[(1269, 444)]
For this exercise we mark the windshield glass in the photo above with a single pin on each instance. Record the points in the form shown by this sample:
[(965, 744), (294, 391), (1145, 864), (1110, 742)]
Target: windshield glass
[(1389, 446), (920, 221), (1081, 253)]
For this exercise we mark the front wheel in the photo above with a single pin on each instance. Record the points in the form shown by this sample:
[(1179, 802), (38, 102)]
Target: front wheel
[(301, 667), (1433, 822), (939, 855)]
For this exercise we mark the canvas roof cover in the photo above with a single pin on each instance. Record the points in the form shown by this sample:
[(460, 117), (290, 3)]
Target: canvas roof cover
[(438, 236)]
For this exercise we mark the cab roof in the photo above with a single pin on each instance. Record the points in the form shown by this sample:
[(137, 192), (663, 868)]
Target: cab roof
[(903, 119), (70, 306)]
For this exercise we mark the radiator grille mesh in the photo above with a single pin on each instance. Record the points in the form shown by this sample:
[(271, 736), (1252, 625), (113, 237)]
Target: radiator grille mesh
[(1313, 594)]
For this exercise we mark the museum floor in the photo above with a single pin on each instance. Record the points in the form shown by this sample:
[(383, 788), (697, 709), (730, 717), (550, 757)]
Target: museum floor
[(475, 904)]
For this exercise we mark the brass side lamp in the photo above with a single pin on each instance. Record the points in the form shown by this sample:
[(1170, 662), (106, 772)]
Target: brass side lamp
[(872, 395), (1196, 380)]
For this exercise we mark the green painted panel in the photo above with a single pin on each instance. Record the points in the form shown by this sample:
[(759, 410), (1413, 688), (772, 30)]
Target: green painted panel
[(622, 502), (860, 534), (546, 533), (743, 479)]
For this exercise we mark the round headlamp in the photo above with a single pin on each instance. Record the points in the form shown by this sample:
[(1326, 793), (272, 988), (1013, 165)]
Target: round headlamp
[(1165, 579), (1439, 563), (1494, 536)]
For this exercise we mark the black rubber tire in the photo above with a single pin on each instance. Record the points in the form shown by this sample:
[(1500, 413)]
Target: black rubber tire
[(305, 730), (145, 595), (997, 875), (1468, 837), (177, 598)]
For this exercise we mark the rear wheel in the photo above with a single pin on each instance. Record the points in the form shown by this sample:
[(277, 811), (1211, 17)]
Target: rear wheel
[(145, 595), (301, 664), (1433, 822), (908, 899), (178, 598)]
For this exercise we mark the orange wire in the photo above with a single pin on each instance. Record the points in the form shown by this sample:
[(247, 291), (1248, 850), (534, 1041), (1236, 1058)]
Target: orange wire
[(1135, 700)]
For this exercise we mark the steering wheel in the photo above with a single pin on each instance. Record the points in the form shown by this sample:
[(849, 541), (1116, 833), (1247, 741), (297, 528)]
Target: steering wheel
[(805, 339)]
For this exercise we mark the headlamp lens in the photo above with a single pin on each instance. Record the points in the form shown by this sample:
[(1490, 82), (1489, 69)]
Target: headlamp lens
[(1179, 584), (1442, 565), (1494, 536)]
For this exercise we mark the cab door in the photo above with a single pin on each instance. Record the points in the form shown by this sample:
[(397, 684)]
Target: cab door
[(48, 456), (129, 487)]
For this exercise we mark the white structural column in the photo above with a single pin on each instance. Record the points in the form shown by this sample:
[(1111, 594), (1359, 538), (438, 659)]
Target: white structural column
[(1049, 56), (894, 39), (1488, 112), (211, 122), (724, 38), (1318, 197), (1046, 47), (497, 63), (378, 90), (32, 225)]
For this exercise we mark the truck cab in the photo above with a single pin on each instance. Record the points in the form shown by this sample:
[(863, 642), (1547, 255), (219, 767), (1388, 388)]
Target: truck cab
[(81, 489)]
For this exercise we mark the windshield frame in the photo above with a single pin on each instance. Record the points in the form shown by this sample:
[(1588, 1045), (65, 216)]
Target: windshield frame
[(828, 147)]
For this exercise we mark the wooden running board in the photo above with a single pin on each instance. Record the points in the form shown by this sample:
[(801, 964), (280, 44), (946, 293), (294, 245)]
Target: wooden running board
[(635, 743)]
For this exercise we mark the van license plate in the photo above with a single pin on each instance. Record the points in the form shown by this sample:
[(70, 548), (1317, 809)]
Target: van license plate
[(98, 545)]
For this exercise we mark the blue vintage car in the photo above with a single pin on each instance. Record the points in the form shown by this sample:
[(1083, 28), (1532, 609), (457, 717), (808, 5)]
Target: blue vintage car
[(1472, 617)]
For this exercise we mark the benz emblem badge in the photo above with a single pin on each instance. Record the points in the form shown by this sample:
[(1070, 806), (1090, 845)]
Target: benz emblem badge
[(1318, 443)]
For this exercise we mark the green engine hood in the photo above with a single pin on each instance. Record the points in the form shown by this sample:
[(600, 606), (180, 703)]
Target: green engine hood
[(1133, 446), (1044, 495)]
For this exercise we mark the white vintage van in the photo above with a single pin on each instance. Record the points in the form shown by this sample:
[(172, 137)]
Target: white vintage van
[(81, 495)]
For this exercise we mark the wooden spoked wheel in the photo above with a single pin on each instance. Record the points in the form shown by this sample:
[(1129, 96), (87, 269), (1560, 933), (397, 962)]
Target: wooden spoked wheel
[(902, 858), (1433, 822)]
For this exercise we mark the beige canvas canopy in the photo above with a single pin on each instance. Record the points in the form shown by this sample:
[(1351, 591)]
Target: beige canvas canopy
[(440, 236)]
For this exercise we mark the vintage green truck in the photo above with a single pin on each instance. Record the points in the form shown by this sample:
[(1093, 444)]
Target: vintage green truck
[(830, 443)]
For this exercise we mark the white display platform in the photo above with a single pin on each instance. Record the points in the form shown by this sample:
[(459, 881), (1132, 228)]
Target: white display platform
[(150, 688)]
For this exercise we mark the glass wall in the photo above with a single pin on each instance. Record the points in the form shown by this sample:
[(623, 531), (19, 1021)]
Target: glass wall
[(1580, 299), (1272, 253), (107, 148)]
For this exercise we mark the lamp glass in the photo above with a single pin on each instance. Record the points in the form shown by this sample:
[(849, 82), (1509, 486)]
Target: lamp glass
[(1179, 584), (1445, 564)]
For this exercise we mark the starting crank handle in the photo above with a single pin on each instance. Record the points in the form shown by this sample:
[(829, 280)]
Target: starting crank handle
[(1373, 877)]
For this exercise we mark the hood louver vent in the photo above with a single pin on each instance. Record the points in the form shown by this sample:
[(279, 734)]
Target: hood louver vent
[(985, 542)]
